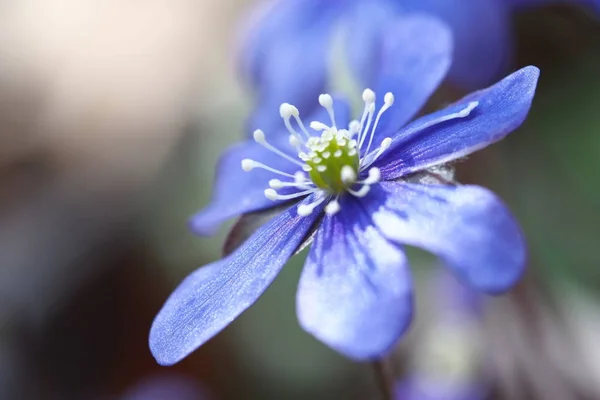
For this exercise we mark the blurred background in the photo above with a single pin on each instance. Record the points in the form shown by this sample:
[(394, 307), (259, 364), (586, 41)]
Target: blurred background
[(112, 117)]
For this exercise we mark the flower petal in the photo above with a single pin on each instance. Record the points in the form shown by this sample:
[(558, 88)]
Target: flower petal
[(482, 37), (428, 141), (236, 191), (468, 227), (284, 56), (415, 57), (355, 290), (213, 296)]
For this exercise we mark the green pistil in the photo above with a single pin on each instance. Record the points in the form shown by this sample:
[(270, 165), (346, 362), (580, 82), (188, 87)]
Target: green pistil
[(334, 156)]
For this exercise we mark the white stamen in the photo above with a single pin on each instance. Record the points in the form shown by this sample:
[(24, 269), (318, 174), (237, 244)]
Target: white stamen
[(388, 101), (273, 195), (326, 155), (333, 207), (296, 144), (326, 102), (275, 184), (365, 130), (248, 165), (259, 137), (319, 126), (286, 110), (465, 112), (385, 144), (307, 168), (300, 177), (347, 174), (362, 192), (353, 128), (368, 96), (301, 125), (321, 168), (374, 177), (337, 154), (305, 210)]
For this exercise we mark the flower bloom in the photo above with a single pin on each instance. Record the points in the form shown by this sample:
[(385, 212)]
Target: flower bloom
[(286, 51), (351, 183)]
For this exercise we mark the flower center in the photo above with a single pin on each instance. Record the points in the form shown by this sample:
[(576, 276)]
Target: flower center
[(333, 160)]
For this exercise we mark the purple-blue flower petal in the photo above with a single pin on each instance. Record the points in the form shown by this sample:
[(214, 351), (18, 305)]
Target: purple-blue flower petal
[(468, 227), (433, 388), (502, 108), (285, 57), (213, 296), (482, 37), (237, 192), (416, 55), (355, 290)]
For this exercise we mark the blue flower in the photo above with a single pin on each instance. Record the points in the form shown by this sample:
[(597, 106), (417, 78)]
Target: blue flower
[(447, 356), (288, 48), (351, 183)]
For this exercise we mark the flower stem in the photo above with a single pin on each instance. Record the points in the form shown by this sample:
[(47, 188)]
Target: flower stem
[(385, 378)]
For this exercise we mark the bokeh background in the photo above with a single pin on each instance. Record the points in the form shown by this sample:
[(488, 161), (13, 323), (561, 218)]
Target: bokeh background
[(112, 116)]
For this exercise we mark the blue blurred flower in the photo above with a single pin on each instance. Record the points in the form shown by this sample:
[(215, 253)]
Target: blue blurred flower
[(447, 357), (289, 50), (350, 181)]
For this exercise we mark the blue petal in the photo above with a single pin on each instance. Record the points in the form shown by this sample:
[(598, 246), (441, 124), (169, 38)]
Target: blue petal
[(285, 57), (416, 56), (502, 108), (482, 37), (468, 227), (355, 290), (363, 29), (213, 296), (237, 192), (424, 387)]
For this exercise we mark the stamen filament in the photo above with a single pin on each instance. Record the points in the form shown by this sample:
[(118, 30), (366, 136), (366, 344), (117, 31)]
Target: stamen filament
[(326, 102), (388, 101), (259, 137), (307, 209), (271, 194), (248, 165), (362, 192)]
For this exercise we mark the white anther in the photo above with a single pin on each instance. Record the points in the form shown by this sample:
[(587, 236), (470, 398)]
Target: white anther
[(286, 110), (319, 126), (321, 168), (307, 168), (362, 192), (374, 176), (307, 209), (337, 154), (347, 174), (352, 144), (304, 210), (388, 99), (327, 135), (271, 194), (275, 184), (248, 165), (385, 143), (326, 155), (353, 128), (326, 101), (295, 142), (368, 96), (333, 207), (299, 177), (317, 160), (352, 152), (259, 136)]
